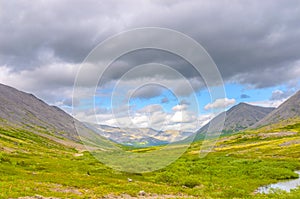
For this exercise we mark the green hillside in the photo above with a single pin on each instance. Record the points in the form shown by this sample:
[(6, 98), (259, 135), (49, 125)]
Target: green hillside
[(239, 164)]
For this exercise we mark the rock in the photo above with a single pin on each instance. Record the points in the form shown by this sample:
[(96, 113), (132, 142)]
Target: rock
[(36, 197), (142, 193)]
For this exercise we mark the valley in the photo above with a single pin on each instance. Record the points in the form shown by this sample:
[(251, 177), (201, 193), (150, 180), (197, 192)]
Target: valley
[(238, 165), (38, 158)]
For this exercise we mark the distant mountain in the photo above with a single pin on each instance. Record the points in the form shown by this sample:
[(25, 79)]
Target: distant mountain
[(139, 137), (22, 110), (287, 110), (238, 117)]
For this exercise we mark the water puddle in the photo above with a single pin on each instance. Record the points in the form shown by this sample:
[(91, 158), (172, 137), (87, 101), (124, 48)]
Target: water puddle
[(285, 185)]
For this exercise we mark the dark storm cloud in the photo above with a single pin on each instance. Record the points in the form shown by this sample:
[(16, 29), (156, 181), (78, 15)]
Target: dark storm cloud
[(252, 42), (147, 92), (244, 96), (144, 56), (47, 31)]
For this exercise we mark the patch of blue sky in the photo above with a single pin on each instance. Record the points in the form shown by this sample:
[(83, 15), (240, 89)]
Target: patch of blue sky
[(232, 91)]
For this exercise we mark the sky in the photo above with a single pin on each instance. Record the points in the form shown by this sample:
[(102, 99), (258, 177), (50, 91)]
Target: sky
[(254, 44)]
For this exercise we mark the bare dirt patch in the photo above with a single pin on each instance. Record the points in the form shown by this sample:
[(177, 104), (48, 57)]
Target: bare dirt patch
[(288, 143), (36, 197), (277, 134), (61, 189), (7, 149), (68, 143)]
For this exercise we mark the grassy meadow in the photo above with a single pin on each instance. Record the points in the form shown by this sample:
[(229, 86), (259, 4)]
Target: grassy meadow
[(237, 166)]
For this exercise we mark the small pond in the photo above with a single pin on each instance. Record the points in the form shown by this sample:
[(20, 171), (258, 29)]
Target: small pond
[(284, 185)]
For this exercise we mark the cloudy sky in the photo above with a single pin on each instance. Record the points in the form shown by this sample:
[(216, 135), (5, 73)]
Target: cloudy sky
[(255, 45)]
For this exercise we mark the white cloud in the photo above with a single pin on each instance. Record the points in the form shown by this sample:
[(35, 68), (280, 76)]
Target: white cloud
[(180, 107), (183, 117), (150, 116), (220, 103), (277, 98), (277, 94), (280, 94), (46, 77), (205, 118), (151, 108), (268, 103), (52, 83)]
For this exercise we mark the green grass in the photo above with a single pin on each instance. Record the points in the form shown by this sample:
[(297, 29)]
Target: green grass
[(239, 164)]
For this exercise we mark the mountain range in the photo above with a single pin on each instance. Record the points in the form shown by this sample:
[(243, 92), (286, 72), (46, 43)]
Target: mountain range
[(139, 136), (22, 110)]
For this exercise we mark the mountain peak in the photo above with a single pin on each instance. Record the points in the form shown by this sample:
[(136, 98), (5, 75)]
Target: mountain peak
[(240, 116), (288, 109)]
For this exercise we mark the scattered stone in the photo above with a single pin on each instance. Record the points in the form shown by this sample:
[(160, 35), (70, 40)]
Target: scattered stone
[(288, 143), (142, 193), (36, 197), (146, 196), (276, 134)]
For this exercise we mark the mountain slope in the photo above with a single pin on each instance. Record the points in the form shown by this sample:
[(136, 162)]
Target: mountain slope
[(238, 117), (24, 111), (287, 110)]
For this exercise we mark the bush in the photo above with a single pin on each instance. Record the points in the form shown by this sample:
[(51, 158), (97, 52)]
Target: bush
[(190, 182), (168, 177), (5, 159), (21, 163)]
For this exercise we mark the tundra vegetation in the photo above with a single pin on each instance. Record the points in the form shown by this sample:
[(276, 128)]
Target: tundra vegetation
[(31, 164)]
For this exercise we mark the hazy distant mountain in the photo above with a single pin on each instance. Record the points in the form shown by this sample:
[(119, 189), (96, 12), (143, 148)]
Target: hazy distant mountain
[(239, 117), (22, 110), (289, 109), (138, 136)]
